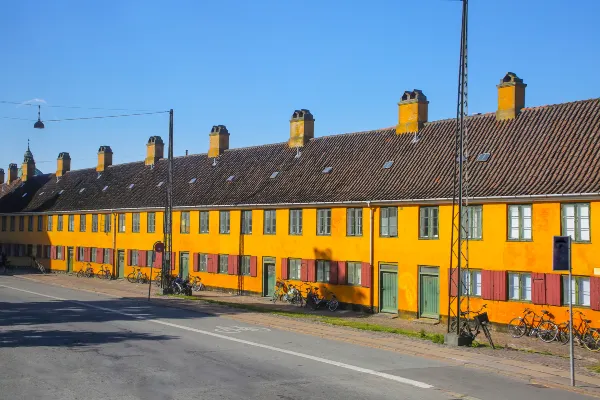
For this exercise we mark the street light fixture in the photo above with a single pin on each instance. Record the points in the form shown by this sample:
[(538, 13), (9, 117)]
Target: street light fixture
[(38, 124)]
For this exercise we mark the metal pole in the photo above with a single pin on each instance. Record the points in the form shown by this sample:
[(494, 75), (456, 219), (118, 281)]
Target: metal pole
[(571, 346), (168, 218)]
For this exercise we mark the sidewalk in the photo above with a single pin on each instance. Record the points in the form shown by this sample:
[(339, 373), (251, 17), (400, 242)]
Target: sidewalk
[(534, 365)]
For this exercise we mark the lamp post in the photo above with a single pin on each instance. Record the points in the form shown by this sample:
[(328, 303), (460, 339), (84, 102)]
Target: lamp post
[(38, 124)]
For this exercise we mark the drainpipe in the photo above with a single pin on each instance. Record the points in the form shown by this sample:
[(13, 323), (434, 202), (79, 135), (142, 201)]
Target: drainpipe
[(371, 256), (115, 255)]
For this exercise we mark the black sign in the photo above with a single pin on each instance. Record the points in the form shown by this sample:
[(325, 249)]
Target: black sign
[(561, 253)]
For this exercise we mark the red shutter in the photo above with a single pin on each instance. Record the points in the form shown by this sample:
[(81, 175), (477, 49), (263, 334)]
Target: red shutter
[(284, 268), (365, 275), (100, 255), (195, 262), (453, 281), (231, 264), (253, 264), (342, 271), (62, 252), (158, 259), (304, 270), (487, 287), (312, 271), (128, 257), (77, 258), (595, 293), (333, 272), (553, 289), (173, 256), (111, 256), (538, 291), (88, 254), (236, 265), (215, 263), (500, 283), (142, 256), (52, 252)]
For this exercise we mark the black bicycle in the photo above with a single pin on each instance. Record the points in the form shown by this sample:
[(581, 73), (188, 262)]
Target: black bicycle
[(471, 327)]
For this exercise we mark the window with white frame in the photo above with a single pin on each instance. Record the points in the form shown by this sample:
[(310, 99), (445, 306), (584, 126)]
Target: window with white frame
[(81, 253), (354, 221), (135, 222), (40, 223), (246, 222), (151, 222), (94, 222), (204, 221), (71, 223), (580, 290), (121, 223), (519, 286), (354, 273), (576, 221), (223, 263), (149, 258), (324, 221), (59, 223), (428, 222), (82, 223), (295, 222), (93, 254), (323, 268), (59, 252), (471, 223), (107, 223), (245, 265), (49, 223), (270, 223), (30, 223), (471, 282), (202, 262), (294, 268), (223, 222), (134, 258), (185, 222), (519, 222), (107, 256), (388, 226)]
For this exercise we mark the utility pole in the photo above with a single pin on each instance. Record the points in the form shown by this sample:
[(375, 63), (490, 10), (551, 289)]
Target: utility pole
[(168, 217)]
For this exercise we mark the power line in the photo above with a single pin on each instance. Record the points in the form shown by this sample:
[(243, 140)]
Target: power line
[(20, 103), (94, 117)]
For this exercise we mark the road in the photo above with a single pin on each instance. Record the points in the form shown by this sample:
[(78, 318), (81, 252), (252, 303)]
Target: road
[(58, 343)]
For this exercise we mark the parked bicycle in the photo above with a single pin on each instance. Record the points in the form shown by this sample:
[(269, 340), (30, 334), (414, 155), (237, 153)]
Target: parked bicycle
[(104, 273), (281, 289), (533, 324), (583, 334), (314, 301), (473, 323), (196, 284), (137, 277), (86, 271), (181, 286)]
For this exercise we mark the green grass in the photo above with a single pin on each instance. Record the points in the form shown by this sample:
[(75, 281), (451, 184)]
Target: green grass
[(595, 368)]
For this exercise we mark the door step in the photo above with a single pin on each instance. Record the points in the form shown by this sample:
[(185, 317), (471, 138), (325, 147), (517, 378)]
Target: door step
[(426, 321)]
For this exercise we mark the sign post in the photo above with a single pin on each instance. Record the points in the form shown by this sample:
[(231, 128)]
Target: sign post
[(561, 261)]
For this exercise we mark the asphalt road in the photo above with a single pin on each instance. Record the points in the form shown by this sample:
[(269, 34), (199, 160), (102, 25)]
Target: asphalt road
[(58, 343)]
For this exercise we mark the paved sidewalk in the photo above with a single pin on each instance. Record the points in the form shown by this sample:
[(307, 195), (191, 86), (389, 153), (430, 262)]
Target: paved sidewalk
[(534, 367)]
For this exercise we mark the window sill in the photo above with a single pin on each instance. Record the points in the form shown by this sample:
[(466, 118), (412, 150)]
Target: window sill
[(581, 241), (295, 234), (223, 233), (323, 234), (519, 240), (354, 236), (428, 238), (519, 301), (388, 237), (269, 233)]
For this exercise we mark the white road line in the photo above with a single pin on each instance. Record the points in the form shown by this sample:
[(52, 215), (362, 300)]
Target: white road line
[(367, 371)]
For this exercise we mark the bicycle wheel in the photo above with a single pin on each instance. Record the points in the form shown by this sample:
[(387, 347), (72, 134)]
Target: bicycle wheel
[(517, 327), (157, 279), (131, 278), (487, 334), (333, 304), (563, 333), (80, 273), (591, 340), (547, 331)]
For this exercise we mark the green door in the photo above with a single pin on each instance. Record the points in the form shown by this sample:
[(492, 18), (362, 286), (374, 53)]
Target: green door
[(184, 265), (269, 277), (120, 264), (430, 296), (70, 259), (389, 292)]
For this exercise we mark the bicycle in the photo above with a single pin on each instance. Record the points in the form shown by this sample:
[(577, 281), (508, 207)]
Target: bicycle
[(138, 277), (104, 273), (293, 296), (157, 279), (332, 304), (583, 333), (472, 328), (539, 326), (280, 290), (466, 320), (86, 271), (196, 284)]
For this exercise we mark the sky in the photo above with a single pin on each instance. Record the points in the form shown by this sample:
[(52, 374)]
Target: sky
[(249, 64)]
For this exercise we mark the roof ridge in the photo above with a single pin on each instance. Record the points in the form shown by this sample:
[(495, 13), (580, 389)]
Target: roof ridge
[(561, 104)]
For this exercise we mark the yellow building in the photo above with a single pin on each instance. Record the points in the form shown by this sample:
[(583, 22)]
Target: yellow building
[(366, 215)]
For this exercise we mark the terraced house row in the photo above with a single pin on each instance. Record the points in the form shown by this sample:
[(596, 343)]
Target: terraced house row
[(366, 215)]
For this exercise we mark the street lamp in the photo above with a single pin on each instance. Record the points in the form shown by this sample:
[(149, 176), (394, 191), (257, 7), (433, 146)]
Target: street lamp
[(38, 124)]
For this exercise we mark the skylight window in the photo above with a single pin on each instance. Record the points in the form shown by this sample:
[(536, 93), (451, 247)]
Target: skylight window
[(22, 184), (24, 194), (62, 191), (483, 157), (230, 179), (193, 180), (327, 170), (159, 184), (81, 191), (42, 193), (274, 174), (388, 164), (99, 175), (105, 188), (131, 186)]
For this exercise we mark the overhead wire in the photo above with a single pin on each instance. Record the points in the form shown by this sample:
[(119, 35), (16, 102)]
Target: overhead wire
[(93, 117), (20, 103)]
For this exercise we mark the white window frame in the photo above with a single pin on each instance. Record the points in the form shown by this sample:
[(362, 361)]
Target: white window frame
[(134, 258), (204, 221), (520, 217), (294, 269), (202, 262), (581, 290), (122, 221), (82, 222), (323, 268), (49, 223), (471, 282), (71, 222), (578, 225), (222, 268), (246, 216), (270, 222), (135, 222), (94, 222), (519, 286), (93, 254), (224, 222), (324, 222), (354, 221), (107, 223), (296, 221), (184, 223), (59, 223), (474, 218), (429, 222), (354, 273), (151, 222), (245, 265), (388, 222)]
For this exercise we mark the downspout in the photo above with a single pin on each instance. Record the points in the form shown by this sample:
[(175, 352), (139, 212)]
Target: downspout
[(115, 255), (371, 257)]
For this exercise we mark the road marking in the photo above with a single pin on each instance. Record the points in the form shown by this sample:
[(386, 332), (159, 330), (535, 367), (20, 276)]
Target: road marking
[(322, 360), (239, 329)]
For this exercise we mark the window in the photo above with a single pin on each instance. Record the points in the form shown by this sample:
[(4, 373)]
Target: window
[(59, 252), (223, 222), (93, 255), (223, 263), (354, 273), (203, 221), (121, 222), (29, 249), (519, 222), (245, 265), (389, 222), (71, 223), (270, 222), (354, 222), (30, 223), (107, 223), (247, 222), (12, 223), (519, 286), (324, 221), (295, 222), (21, 223), (323, 271), (135, 222), (149, 258), (184, 225), (48, 250), (82, 223), (134, 258), (94, 222), (81, 255), (151, 219), (202, 261), (59, 223), (576, 221), (294, 268), (184, 262), (107, 256), (580, 290), (4, 223), (471, 282), (49, 223), (40, 223), (428, 223), (472, 221)]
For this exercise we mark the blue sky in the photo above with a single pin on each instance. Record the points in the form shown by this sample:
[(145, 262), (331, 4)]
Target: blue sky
[(249, 64)]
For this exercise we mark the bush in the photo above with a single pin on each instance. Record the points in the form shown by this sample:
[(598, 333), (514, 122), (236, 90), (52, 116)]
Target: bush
[(422, 334), (438, 338)]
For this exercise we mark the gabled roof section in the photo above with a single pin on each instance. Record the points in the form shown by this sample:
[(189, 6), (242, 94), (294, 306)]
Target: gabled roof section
[(545, 150)]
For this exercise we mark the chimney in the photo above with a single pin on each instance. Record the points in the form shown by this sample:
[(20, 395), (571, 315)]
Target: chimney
[(63, 164), (13, 171), (218, 141), (155, 150), (302, 128), (412, 112), (28, 166), (511, 96), (1, 176), (104, 158)]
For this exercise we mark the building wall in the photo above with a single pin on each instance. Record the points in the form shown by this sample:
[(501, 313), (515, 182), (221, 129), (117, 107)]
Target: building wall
[(407, 251)]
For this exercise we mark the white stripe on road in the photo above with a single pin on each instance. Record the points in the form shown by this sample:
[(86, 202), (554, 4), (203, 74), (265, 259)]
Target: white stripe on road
[(407, 381)]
